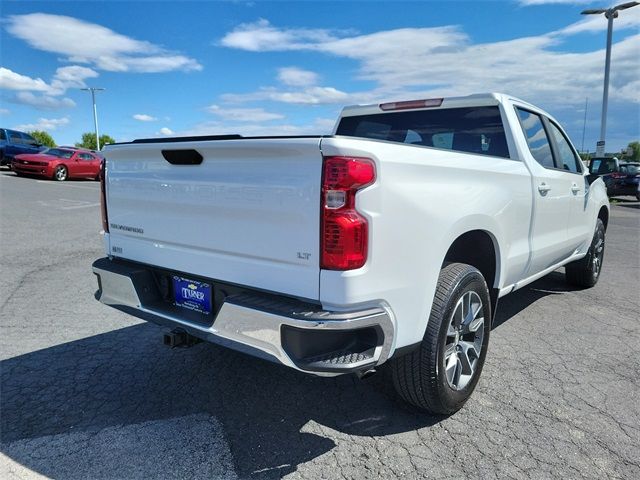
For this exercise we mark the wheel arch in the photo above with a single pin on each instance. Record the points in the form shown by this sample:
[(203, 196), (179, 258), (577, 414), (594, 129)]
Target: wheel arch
[(479, 248), (603, 214)]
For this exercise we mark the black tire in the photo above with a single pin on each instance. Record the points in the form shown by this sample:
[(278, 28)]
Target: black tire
[(18, 174), (586, 271), (638, 197), (420, 377), (60, 174)]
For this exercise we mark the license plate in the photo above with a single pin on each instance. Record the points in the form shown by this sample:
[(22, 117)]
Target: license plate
[(192, 295)]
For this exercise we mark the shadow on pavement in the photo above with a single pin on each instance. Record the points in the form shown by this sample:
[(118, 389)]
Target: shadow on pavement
[(512, 304), (126, 377)]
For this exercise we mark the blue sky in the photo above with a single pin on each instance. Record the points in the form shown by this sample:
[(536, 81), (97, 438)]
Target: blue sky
[(174, 68)]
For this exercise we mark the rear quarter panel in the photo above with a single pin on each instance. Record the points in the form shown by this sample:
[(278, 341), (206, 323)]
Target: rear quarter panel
[(422, 200)]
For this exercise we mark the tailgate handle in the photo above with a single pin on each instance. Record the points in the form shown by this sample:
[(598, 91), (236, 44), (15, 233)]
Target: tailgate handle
[(182, 157)]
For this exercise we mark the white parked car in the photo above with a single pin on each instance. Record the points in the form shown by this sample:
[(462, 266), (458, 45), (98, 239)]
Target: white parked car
[(389, 241)]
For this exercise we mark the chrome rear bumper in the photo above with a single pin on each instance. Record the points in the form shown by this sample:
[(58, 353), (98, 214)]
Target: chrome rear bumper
[(296, 334)]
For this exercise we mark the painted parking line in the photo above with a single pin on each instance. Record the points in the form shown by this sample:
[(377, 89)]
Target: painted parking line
[(66, 204), (65, 184)]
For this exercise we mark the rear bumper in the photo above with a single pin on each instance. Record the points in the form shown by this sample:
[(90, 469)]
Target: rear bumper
[(297, 334)]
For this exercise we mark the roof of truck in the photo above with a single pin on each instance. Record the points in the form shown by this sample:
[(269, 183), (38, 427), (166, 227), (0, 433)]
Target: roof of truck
[(474, 100)]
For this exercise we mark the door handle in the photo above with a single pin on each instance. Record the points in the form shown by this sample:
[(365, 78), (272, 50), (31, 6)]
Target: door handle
[(575, 188), (543, 188)]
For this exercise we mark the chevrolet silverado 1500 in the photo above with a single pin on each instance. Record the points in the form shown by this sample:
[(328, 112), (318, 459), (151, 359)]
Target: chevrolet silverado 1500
[(389, 241)]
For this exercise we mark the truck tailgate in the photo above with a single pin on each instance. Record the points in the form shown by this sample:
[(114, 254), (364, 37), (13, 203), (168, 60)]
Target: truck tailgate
[(248, 214)]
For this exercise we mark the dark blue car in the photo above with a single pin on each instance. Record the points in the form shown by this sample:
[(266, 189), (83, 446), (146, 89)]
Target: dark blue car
[(621, 177), (14, 143)]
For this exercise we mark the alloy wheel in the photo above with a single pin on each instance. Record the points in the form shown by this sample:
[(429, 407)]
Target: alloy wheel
[(61, 174), (463, 343)]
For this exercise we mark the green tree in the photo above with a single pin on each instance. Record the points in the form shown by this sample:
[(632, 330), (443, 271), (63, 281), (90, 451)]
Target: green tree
[(635, 148), (89, 141), (43, 137)]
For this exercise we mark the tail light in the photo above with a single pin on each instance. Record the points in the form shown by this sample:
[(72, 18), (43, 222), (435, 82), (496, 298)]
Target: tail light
[(618, 175), (344, 232), (103, 195)]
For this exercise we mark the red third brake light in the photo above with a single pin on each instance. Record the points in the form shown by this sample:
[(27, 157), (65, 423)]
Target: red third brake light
[(103, 195), (409, 104), (344, 234)]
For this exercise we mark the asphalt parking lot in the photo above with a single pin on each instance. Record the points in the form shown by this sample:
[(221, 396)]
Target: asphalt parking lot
[(88, 392)]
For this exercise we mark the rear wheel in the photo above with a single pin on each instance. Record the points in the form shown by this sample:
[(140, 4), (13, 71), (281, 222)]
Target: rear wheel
[(60, 173), (442, 373), (586, 271)]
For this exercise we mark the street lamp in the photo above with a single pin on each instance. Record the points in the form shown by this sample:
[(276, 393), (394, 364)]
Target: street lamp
[(610, 14), (93, 91)]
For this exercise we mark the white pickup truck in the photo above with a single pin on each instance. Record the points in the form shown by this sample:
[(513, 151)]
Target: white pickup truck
[(389, 241)]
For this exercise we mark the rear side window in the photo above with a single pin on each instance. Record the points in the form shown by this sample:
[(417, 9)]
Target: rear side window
[(473, 129), (28, 139), (536, 138), (568, 159), (15, 137)]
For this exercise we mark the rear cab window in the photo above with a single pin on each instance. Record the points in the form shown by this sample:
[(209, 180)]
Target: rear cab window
[(477, 130)]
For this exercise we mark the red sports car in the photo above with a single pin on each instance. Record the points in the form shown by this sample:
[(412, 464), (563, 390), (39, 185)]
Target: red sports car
[(59, 164)]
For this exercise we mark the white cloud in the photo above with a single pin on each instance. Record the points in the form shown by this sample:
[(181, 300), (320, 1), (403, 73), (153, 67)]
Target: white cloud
[(297, 77), (43, 102), (47, 124), (319, 126), (165, 131), (627, 19), (5, 111), (444, 61), (306, 96), (143, 117), (243, 114), (89, 43), (11, 80), (261, 36), (72, 76)]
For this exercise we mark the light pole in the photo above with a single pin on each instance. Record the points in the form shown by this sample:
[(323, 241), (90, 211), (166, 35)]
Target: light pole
[(610, 14), (584, 124), (93, 91)]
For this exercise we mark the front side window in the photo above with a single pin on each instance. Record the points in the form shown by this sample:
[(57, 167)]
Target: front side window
[(568, 160), (3, 136), (59, 152), (471, 129), (539, 145)]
